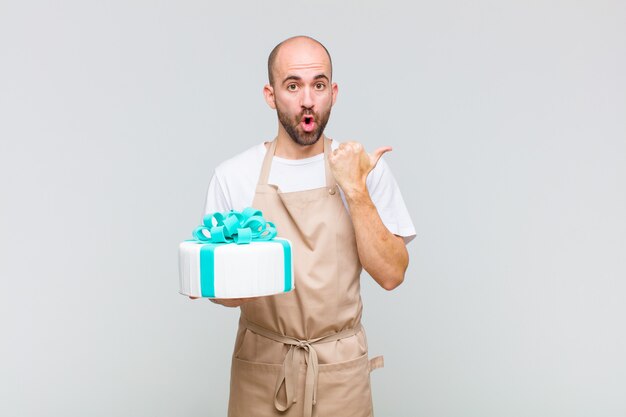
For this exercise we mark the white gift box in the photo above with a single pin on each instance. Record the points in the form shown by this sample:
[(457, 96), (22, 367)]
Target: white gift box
[(230, 270)]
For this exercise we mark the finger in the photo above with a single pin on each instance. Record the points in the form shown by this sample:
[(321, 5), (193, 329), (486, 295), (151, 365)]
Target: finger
[(375, 156), (357, 147), (332, 156)]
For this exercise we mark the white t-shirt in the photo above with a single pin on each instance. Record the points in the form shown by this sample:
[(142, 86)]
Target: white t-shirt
[(234, 183)]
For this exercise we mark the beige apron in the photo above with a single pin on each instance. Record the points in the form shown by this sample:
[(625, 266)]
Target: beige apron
[(304, 353)]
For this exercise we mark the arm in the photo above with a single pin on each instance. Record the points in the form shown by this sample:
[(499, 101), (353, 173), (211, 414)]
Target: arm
[(228, 302), (382, 254)]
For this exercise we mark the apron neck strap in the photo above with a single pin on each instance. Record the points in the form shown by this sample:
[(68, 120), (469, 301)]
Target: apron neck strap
[(267, 164), (330, 179)]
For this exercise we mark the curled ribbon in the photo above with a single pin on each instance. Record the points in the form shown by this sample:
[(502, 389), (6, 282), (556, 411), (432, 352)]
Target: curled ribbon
[(234, 226)]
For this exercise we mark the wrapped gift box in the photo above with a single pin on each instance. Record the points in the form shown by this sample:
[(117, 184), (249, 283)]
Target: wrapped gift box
[(235, 255), (228, 270)]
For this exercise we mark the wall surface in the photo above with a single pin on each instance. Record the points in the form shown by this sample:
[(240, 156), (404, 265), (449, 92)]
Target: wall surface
[(508, 126)]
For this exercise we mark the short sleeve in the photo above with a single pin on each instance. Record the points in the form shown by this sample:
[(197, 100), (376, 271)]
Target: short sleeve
[(389, 203), (216, 199)]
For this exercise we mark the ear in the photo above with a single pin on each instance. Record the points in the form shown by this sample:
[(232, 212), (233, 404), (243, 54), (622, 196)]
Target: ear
[(268, 92), (335, 90)]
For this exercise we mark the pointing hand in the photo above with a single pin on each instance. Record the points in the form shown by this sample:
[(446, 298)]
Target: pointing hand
[(350, 165)]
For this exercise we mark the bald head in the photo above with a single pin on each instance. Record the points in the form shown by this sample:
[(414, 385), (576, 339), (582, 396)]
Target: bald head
[(294, 42)]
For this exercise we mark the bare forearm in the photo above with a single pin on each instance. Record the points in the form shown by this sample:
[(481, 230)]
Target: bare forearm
[(382, 254)]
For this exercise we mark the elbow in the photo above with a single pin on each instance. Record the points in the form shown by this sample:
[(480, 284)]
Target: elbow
[(395, 277), (390, 274), (393, 282)]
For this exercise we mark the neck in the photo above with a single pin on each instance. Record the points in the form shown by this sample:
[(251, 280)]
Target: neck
[(288, 149)]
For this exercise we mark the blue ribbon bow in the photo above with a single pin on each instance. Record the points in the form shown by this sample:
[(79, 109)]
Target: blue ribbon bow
[(238, 227)]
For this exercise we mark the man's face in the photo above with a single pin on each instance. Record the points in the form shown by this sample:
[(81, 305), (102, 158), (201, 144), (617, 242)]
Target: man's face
[(303, 94)]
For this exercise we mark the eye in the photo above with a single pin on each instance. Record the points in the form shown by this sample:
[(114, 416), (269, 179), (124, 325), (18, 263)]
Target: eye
[(292, 87), (320, 86)]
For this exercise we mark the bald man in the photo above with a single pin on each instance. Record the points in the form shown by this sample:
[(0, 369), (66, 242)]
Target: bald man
[(304, 353)]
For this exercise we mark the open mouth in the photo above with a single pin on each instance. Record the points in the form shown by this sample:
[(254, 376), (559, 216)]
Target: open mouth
[(308, 123)]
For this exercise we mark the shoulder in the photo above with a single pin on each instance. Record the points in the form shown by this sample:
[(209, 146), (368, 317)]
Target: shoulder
[(233, 183), (244, 161)]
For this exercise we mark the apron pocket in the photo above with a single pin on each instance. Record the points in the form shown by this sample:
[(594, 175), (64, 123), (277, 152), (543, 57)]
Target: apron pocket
[(252, 389), (344, 389)]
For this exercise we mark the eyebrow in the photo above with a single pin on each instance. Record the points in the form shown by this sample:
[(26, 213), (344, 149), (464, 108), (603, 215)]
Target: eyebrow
[(298, 78), (320, 76)]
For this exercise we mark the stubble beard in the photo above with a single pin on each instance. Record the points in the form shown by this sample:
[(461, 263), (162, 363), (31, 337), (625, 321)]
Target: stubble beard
[(303, 138)]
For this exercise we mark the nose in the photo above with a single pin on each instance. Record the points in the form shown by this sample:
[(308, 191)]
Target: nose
[(307, 98)]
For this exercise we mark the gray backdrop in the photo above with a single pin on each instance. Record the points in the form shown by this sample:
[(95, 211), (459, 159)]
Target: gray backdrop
[(508, 123)]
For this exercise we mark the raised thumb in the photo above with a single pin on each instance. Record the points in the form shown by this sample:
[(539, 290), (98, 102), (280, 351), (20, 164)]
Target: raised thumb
[(375, 156)]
